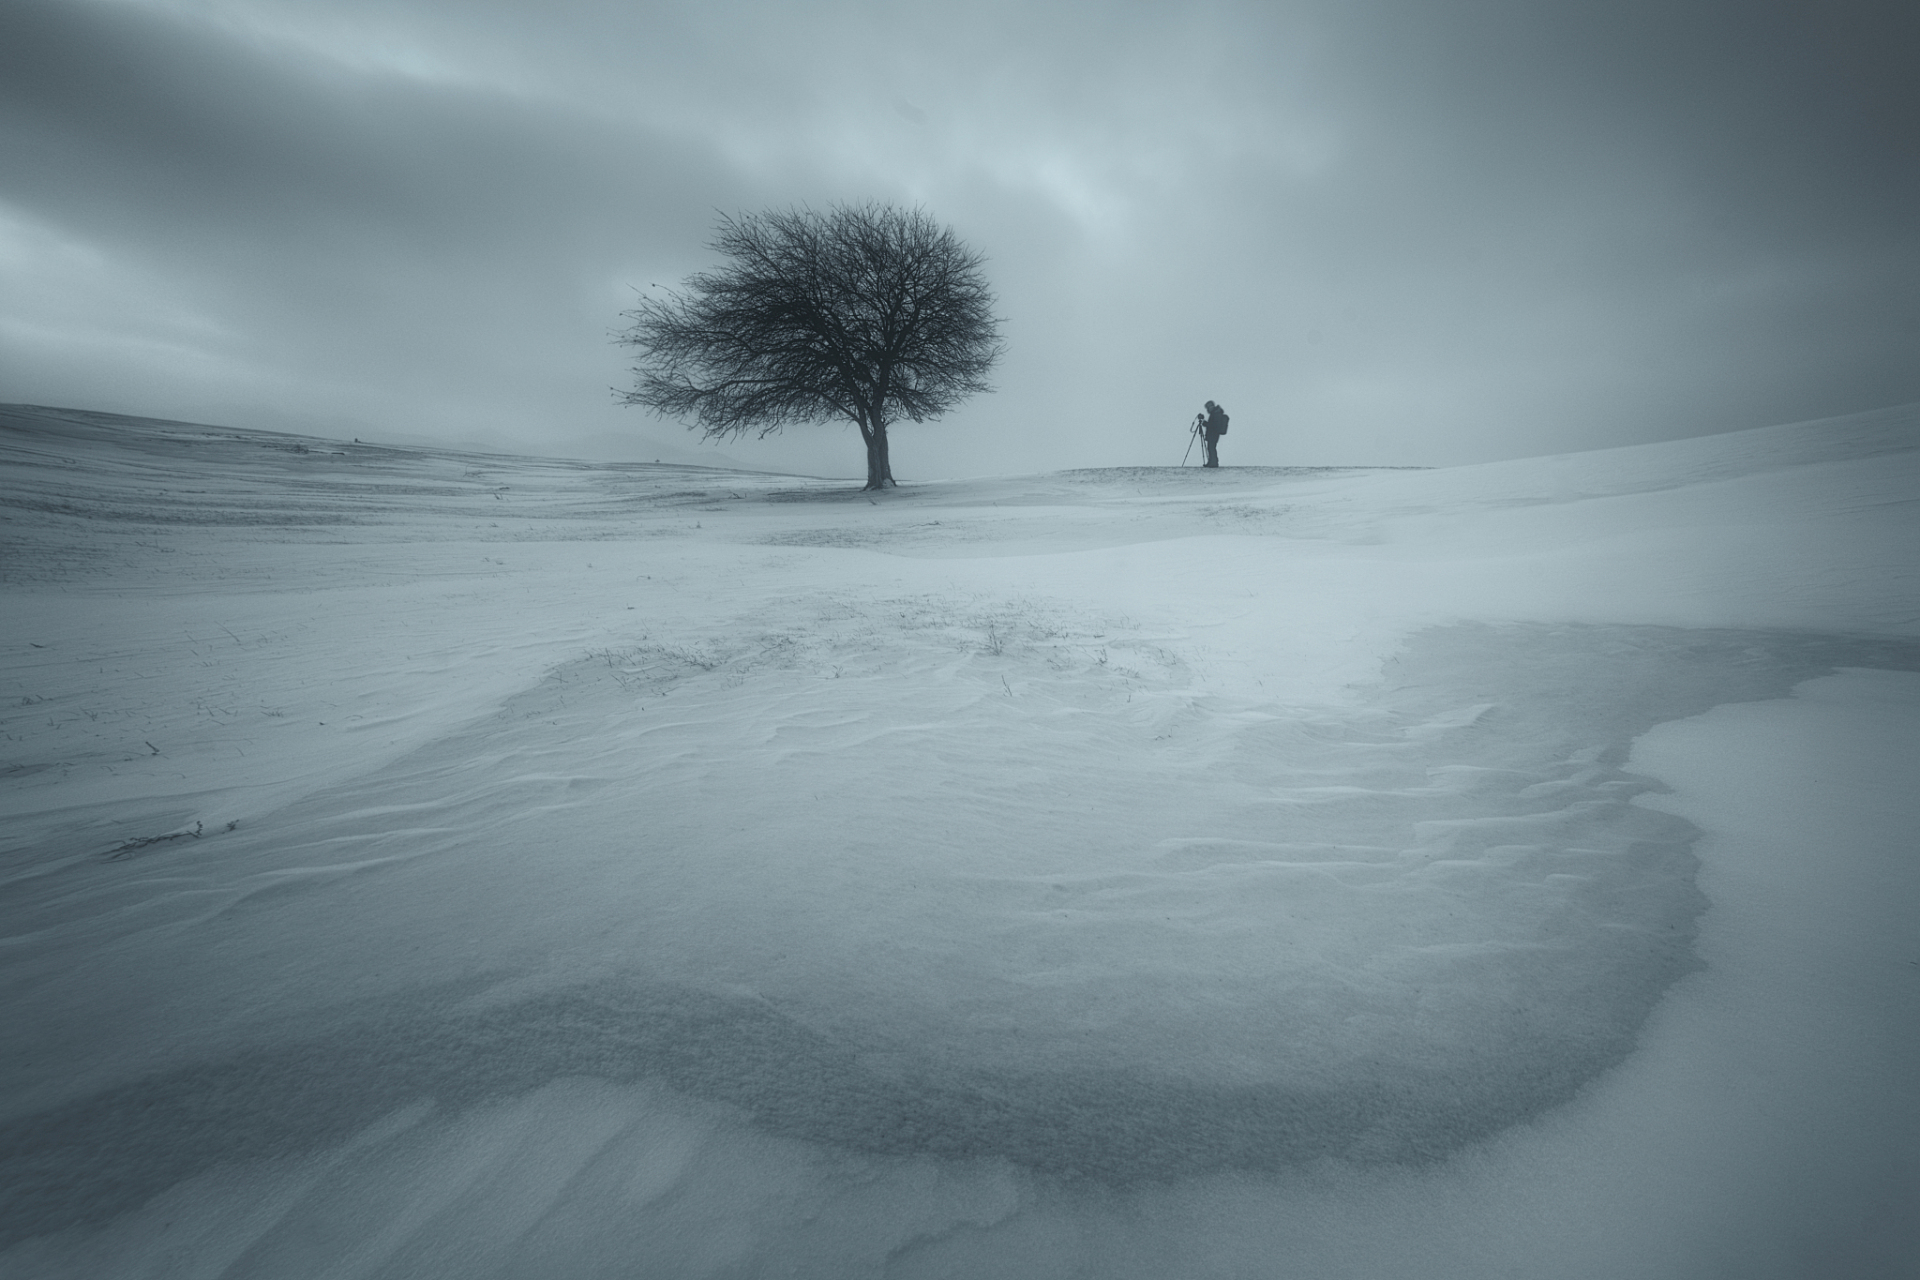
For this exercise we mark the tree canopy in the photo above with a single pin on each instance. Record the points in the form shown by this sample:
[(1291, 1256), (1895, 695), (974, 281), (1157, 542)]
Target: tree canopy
[(864, 313)]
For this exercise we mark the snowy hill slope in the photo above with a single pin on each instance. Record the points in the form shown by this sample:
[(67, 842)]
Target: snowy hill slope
[(535, 866)]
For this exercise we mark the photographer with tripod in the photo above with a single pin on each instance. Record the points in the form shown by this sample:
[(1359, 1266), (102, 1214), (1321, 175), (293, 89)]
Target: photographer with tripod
[(1208, 425)]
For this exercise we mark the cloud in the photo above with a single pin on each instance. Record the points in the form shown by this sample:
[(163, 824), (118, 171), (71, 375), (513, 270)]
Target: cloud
[(1377, 231)]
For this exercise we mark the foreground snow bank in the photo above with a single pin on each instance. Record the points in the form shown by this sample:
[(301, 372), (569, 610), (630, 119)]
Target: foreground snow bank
[(1144, 873)]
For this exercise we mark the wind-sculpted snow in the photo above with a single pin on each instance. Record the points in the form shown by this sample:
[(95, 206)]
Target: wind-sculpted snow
[(567, 870), (1376, 937)]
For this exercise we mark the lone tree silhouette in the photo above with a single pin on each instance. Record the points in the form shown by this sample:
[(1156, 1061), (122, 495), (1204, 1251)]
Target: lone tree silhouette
[(867, 313)]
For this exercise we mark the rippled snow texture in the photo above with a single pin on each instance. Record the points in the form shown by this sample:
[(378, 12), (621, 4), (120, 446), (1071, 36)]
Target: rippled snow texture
[(880, 894)]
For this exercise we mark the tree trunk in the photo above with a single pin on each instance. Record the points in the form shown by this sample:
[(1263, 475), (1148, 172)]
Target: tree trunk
[(879, 469)]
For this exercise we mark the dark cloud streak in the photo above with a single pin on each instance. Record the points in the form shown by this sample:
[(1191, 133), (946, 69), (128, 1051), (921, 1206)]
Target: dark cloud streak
[(346, 223)]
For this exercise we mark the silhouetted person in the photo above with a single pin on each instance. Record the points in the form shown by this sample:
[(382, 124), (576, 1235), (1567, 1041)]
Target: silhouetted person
[(1215, 427)]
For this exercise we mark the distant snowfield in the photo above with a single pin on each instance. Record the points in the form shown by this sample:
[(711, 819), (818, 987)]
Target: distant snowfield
[(434, 864)]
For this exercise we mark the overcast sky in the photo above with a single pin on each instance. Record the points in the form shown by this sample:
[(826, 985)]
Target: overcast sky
[(1377, 231)]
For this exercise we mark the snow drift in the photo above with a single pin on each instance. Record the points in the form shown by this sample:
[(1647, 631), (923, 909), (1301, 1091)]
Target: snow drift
[(423, 863)]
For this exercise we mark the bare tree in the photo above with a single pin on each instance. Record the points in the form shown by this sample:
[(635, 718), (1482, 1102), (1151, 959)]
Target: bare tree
[(867, 313)]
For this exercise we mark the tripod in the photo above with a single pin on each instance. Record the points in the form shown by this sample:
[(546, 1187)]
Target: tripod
[(1193, 433)]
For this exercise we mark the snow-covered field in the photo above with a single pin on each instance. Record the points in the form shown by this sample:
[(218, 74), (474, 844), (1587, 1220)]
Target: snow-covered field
[(427, 864)]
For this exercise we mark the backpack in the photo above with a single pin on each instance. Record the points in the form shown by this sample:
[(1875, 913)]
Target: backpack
[(1220, 415)]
